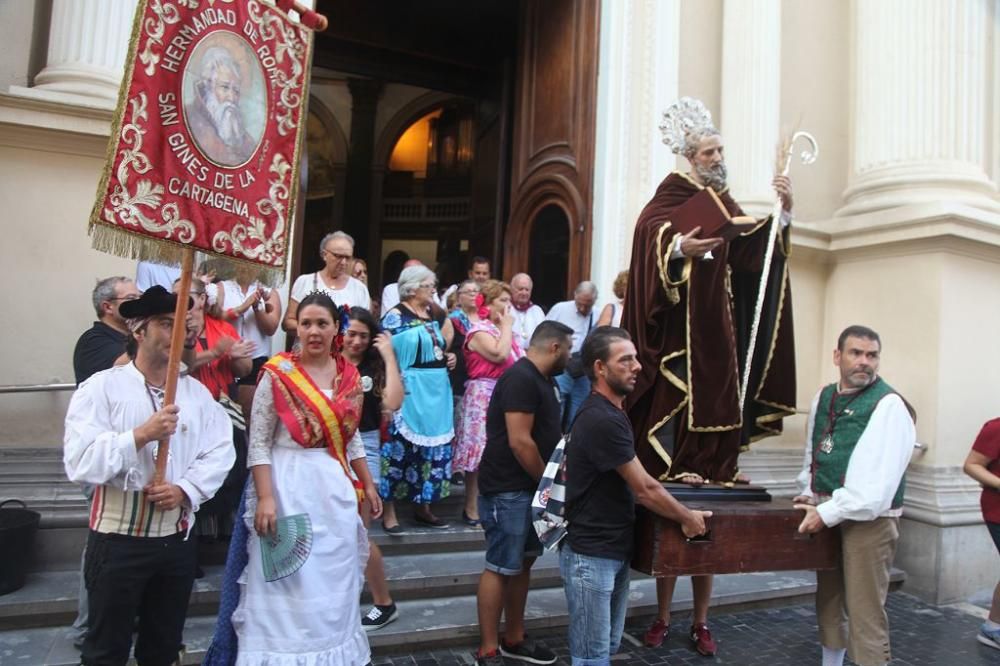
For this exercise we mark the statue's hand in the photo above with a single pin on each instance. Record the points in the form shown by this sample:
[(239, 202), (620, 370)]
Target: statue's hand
[(783, 186), (697, 247)]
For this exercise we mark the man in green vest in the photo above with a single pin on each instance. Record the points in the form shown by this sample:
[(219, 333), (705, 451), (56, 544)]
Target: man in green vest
[(860, 437)]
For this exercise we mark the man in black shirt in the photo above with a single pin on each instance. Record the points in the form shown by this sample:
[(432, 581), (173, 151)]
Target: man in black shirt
[(522, 430), (604, 479), (100, 347), (103, 344)]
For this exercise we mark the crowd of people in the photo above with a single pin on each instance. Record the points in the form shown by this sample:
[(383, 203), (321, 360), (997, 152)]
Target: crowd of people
[(380, 402), (391, 401)]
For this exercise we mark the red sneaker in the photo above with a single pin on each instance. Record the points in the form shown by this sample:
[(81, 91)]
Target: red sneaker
[(657, 634), (702, 639)]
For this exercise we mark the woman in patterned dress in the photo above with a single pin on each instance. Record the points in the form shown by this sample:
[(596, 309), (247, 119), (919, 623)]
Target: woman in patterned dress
[(416, 461), (489, 349)]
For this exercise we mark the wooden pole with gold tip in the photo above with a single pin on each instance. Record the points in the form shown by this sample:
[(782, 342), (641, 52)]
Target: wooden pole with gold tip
[(177, 336)]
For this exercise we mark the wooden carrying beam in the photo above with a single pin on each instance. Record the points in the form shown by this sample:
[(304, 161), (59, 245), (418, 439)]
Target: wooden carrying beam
[(742, 537)]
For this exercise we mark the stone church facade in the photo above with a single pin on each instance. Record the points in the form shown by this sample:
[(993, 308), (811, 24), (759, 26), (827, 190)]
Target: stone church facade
[(897, 225)]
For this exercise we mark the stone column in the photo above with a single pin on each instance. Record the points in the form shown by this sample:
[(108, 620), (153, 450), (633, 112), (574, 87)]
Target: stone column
[(357, 194), (751, 88), (88, 40), (920, 104), (639, 55)]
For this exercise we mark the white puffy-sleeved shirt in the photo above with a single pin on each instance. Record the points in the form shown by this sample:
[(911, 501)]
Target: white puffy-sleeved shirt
[(99, 449), (875, 469)]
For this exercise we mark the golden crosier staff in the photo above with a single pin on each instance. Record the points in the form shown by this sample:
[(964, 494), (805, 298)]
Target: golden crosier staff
[(807, 156)]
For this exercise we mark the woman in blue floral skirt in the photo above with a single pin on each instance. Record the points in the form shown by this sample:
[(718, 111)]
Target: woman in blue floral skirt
[(416, 461)]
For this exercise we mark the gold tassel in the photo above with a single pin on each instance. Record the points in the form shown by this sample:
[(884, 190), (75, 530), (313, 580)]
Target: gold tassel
[(129, 245)]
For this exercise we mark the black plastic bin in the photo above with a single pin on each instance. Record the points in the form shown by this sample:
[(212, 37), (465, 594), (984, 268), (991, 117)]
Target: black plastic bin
[(17, 534)]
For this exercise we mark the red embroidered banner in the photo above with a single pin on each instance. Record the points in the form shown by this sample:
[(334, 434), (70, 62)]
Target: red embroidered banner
[(205, 146)]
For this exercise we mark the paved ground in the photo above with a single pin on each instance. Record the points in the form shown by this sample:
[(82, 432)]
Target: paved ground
[(922, 635)]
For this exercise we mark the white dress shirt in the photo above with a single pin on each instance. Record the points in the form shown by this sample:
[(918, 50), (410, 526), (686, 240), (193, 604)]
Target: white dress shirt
[(525, 324), (148, 274), (567, 313), (390, 297), (875, 469)]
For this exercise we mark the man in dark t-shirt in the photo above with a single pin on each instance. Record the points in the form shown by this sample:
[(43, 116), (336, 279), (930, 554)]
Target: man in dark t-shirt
[(103, 344), (604, 480), (522, 430), (100, 347)]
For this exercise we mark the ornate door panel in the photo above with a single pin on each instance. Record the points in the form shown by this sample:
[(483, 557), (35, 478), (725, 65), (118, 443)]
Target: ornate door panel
[(554, 127)]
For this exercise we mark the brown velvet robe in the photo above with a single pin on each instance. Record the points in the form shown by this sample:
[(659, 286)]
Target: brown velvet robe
[(690, 320)]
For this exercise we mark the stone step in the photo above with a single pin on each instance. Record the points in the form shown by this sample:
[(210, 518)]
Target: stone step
[(37, 478), (50, 599), (18, 474), (416, 538), (30, 454), (57, 499), (63, 534), (43, 463), (425, 623)]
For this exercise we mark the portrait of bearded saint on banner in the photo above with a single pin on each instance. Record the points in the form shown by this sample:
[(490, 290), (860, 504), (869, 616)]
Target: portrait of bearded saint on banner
[(217, 121)]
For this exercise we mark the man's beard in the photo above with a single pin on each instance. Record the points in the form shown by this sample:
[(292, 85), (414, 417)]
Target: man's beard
[(713, 176), (226, 118), (852, 381), (621, 388)]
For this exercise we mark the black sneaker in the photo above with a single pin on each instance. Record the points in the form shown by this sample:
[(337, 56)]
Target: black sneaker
[(379, 616), (528, 651), (489, 659)]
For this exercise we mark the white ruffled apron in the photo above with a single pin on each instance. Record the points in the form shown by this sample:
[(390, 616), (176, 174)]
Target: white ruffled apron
[(312, 617)]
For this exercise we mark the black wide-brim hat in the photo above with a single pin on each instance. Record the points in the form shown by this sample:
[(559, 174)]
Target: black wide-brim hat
[(154, 301)]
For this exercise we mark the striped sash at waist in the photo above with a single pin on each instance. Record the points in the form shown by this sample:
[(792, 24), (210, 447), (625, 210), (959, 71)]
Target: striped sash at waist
[(117, 511)]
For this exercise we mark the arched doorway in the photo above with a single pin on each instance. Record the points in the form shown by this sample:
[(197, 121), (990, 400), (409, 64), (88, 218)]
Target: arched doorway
[(422, 183), (548, 262), (529, 70)]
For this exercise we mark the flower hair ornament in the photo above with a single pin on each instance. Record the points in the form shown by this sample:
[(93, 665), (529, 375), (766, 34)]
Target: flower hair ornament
[(344, 311), (685, 116), (481, 308)]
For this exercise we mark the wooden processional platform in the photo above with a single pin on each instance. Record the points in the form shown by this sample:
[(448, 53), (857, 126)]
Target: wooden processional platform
[(748, 531)]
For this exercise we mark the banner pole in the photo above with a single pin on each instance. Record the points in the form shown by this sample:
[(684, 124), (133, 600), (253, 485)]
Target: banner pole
[(176, 349)]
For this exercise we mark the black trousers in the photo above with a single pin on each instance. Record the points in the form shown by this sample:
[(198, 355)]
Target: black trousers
[(129, 577)]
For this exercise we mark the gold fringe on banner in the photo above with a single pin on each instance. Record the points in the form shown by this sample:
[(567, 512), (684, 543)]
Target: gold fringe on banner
[(122, 243)]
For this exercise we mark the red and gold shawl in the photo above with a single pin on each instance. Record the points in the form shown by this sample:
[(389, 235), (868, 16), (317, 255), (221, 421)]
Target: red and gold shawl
[(313, 419)]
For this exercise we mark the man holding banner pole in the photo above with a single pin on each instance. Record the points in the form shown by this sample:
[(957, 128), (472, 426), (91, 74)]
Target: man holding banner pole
[(204, 155), (140, 562)]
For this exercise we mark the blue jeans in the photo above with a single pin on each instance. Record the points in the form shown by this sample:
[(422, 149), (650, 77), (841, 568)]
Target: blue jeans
[(572, 393), (597, 597), (373, 454), (510, 536)]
